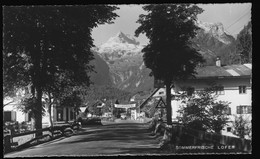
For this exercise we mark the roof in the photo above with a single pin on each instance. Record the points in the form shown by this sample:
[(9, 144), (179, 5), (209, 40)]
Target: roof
[(142, 104), (140, 97), (224, 71)]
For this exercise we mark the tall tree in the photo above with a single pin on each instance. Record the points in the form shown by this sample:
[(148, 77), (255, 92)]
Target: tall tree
[(244, 44), (169, 54), (43, 43)]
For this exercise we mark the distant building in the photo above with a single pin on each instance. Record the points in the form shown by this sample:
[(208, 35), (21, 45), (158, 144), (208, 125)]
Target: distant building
[(93, 108)]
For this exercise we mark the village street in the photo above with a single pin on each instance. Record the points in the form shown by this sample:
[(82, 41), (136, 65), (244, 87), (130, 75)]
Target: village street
[(121, 138)]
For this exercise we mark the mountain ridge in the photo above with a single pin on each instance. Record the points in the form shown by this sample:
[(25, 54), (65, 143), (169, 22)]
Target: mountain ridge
[(123, 56)]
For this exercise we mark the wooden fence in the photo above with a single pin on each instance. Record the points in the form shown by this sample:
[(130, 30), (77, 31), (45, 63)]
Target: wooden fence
[(183, 136), (52, 133), (187, 140)]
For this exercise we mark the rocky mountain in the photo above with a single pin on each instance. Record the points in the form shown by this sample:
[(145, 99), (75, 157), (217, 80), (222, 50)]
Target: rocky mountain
[(123, 56), (101, 73), (213, 41), (124, 62)]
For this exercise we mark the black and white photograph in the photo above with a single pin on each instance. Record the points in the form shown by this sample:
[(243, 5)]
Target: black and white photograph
[(127, 79)]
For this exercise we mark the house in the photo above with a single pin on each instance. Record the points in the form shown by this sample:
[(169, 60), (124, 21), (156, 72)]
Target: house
[(233, 83), (12, 113), (142, 101), (93, 108)]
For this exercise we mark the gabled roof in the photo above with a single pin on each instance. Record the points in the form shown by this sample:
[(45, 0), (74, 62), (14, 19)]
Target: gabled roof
[(150, 96), (224, 71)]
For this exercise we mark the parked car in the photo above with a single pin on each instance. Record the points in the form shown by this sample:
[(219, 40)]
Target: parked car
[(90, 121)]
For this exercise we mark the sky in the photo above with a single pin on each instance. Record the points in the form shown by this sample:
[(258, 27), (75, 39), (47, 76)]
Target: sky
[(233, 16)]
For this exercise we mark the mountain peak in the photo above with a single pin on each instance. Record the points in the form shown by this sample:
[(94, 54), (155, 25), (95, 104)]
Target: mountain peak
[(121, 37), (214, 29), (120, 33), (120, 45)]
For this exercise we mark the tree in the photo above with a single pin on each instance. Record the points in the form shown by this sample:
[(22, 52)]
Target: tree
[(244, 43), (242, 126), (72, 100), (42, 44), (201, 111), (169, 54)]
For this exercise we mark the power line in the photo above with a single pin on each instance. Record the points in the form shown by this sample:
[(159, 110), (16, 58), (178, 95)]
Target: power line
[(238, 19), (238, 29)]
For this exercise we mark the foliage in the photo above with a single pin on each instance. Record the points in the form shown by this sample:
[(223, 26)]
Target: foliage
[(244, 43), (44, 44), (93, 109), (169, 54), (242, 126), (218, 114), (73, 100), (27, 105), (201, 111), (211, 48), (169, 28)]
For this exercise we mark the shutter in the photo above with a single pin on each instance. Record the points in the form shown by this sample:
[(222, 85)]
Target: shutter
[(249, 109), (229, 111), (238, 110), (26, 117), (13, 115)]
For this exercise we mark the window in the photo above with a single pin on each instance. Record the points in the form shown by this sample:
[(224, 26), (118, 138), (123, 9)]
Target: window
[(244, 109), (71, 115), (220, 90), (242, 89), (228, 111), (59, 114), (30, 116), (190, 91), (9, 116)]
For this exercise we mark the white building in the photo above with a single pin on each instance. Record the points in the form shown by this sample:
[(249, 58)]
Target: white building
[(12, 113), (233, 81)]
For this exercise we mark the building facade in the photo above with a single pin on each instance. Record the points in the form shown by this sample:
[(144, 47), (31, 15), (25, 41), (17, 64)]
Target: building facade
[(13, 114), (233, 83)]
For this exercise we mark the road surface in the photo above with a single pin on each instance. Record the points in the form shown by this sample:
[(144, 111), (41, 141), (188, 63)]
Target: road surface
[(121, 138)]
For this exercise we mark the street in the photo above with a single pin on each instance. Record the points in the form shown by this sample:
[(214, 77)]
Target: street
[(125, 138)]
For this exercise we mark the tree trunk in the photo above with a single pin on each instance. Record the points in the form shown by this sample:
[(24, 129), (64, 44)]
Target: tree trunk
[(168, 103), (49, 109), (38, 112), (74, 115)]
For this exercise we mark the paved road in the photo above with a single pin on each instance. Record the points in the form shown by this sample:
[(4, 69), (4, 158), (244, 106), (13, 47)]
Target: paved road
[(108, 139)]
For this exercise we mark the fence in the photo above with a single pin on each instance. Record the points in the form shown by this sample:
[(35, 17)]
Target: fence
[(187, 140), (52, 133), (183, 136)]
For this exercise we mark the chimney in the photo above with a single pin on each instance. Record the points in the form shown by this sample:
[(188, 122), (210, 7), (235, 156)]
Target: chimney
[(218, 62)]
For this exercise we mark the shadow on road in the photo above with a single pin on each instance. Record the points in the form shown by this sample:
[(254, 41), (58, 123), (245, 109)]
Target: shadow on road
[(115, 139), (120, 132)]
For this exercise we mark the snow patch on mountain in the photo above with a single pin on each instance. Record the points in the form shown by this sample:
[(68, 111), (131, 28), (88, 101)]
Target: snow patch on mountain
[(121, 44), (137, 84)]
